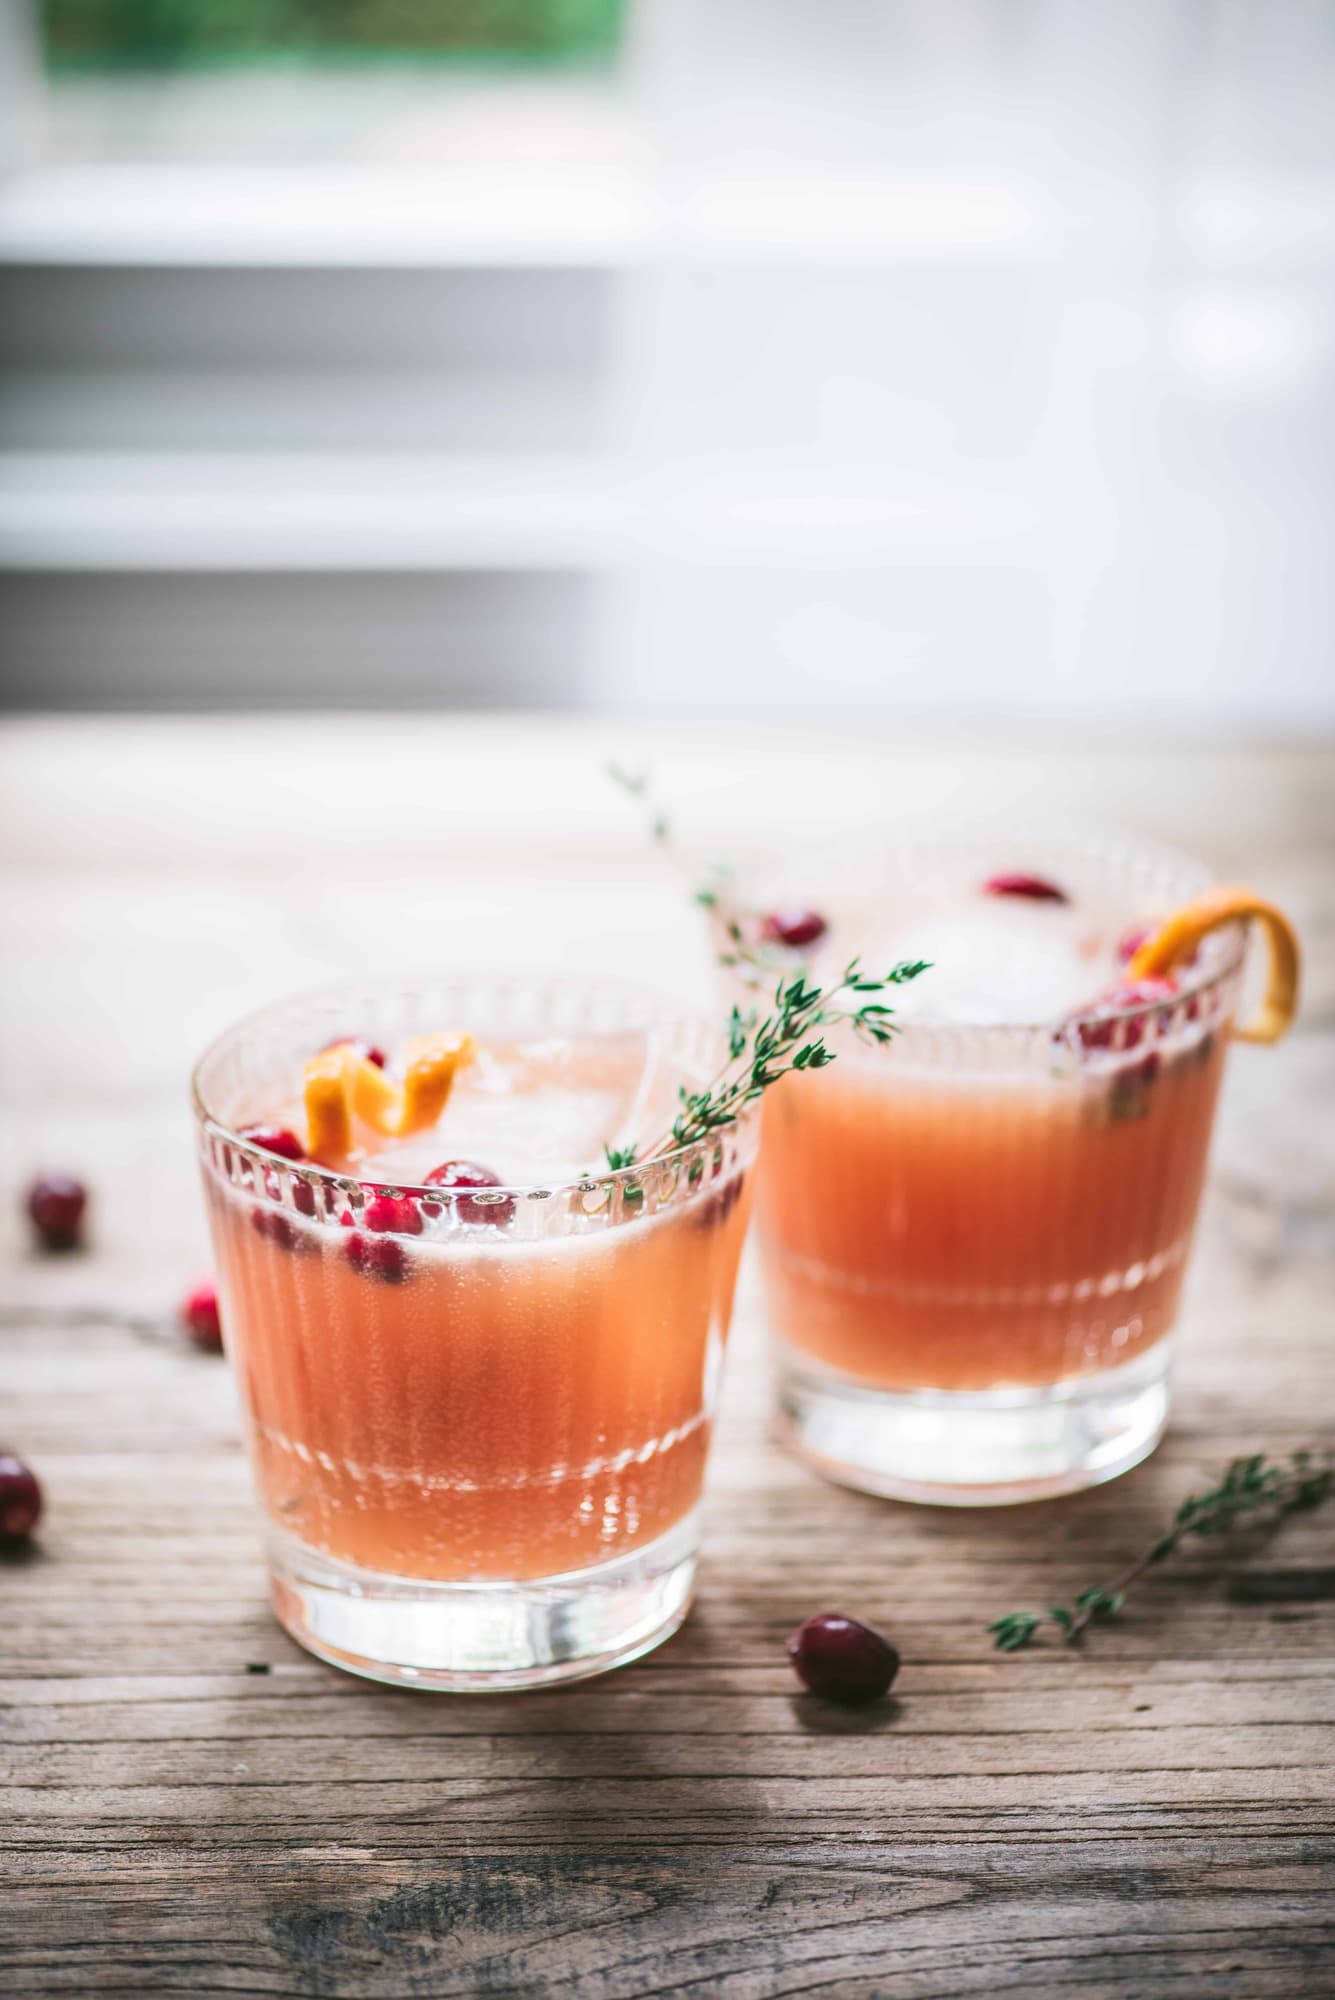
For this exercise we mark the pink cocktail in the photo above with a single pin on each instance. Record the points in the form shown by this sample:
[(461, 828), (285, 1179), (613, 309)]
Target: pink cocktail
[(479, 1400), (974, 1241)]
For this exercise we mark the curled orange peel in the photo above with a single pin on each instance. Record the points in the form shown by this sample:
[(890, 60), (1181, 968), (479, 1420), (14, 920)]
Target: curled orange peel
[(340, 1085), (1180, 935)]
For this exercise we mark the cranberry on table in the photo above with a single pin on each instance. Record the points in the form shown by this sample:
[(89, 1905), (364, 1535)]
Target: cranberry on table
[(20, 1501), (201, 1317), (275, 1139), (843, 1659), (794, 928), (1034, 888), (368, 1051), (56, 1204), (465, 1174)]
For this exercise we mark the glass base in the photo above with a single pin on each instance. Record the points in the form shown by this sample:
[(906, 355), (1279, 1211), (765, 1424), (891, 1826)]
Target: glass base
[(963, 1448), (475, 1638)]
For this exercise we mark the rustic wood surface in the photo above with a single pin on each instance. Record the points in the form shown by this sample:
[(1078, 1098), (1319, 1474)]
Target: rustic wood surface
[(193, 1806)]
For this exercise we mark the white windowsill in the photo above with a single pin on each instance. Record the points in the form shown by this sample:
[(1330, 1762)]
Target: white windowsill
[(384, 512)]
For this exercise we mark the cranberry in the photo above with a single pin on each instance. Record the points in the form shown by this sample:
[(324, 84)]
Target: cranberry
[(398, 1213), (1129, 1096), (20, 1501), (793, 927), (468, 1174), (303, 1196), (843, 1659), (380, 1256), (1131, 993), (719, 1205), (368, 1051), (1130, 944), (202, 1319), (275, 1139), (56, 1203), (1034, 887), (275, 1227)]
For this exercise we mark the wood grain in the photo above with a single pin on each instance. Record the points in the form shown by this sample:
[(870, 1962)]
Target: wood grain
[(194, 1807)]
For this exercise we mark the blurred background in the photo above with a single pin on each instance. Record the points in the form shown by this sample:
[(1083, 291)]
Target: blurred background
[(958, 360)]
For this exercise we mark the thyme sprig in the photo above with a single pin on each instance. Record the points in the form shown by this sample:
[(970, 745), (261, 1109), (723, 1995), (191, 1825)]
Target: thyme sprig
[(1252, 1489), (762, 1047), (715, 892)]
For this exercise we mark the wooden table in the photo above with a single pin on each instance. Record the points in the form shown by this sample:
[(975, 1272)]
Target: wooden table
[(193, 1806)]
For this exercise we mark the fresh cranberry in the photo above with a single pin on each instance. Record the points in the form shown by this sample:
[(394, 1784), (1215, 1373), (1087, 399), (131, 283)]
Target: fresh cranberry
[(303, 1196), (56, 1203), (843, 1659), (202, 1319), (1130, 944), (1034, 887), (20, 1501), (368, 1051), (1128, 1032), (275, 1227), (379, 1256), (718, 1206), (397, 1213), (275, 1139), (794, 928), (1129, 1096), (468, 1174)]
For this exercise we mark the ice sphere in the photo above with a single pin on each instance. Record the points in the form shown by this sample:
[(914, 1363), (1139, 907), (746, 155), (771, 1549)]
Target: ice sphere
[(543, 1110), (994, 960)]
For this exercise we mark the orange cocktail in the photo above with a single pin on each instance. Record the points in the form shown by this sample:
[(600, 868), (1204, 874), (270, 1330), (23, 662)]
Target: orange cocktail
[(974, 1241), (479, 1369)]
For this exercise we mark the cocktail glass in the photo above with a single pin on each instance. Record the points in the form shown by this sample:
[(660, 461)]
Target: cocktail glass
[(973, 1241), (478, 1436)]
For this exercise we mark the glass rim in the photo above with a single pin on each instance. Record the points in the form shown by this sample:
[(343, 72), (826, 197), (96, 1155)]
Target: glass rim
[(609, 1177), (1090, 840)]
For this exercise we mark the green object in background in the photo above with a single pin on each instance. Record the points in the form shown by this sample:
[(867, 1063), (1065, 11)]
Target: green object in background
[(169, 34)]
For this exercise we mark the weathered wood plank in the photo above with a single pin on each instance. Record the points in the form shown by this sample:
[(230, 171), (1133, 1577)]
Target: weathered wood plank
[(194, 1807)]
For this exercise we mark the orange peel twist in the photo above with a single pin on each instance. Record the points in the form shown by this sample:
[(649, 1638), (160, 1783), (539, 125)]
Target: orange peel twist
[(1180, 935), (340, 1085)]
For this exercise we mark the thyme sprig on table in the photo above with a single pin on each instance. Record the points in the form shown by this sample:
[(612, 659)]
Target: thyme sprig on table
[(762, 1047), (1252, 1489)]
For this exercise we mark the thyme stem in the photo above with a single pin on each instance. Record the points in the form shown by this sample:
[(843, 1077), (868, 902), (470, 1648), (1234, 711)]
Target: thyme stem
[(762, 1045), (1251, 1487)]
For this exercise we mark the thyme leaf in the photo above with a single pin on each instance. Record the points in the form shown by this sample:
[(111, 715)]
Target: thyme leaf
[(1253, 1489)]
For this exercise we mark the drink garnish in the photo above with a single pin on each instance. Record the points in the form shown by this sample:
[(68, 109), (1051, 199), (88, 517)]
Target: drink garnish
[(1034, 888), (765, 1045), (795, 929), (372, 1052), (341, 1083), (274, 1139), (459, 1176), (1179, 936)]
